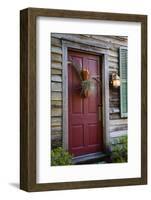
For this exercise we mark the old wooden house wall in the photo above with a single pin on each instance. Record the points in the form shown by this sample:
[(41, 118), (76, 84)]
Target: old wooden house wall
[(113, 42)]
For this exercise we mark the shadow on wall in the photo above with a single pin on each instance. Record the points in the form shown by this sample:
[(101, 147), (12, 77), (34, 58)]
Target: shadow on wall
[(16, 185)]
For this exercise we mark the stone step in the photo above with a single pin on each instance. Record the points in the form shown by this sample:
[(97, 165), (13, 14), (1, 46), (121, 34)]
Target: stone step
[(92, 158)]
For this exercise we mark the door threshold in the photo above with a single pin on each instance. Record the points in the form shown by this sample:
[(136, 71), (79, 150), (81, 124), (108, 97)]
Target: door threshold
[(91, 158)]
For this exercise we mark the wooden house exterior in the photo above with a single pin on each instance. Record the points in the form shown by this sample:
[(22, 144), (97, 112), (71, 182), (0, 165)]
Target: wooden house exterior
[(111, 51)]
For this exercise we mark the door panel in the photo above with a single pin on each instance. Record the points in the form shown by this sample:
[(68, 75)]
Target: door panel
[(92, 134), (85, 129), (77, 136)]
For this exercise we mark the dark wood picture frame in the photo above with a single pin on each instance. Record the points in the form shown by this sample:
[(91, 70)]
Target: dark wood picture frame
[(28, 98)]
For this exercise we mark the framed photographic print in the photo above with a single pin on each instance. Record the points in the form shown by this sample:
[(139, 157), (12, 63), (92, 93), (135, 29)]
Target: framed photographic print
[(83, 93)]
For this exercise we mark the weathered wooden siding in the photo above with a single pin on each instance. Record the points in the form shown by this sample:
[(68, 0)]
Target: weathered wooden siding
[(113, 43), (56, 92)]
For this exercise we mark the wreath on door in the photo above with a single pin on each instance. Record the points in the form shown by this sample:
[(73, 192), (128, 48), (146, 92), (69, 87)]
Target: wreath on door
[(86, 81)]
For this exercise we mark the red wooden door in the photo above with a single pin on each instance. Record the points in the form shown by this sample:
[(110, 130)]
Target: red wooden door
[(85, 130)]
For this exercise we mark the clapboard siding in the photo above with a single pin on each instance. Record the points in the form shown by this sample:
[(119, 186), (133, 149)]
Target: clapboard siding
[(118, 122), (56, 112), (56, 65), (113, 53), (56, 57), (56, 78), (56, 121), (56, 103), (56, 92), (55, 42), (55, 86), (56, 96), (118, 125), (112, 59), (113, 65), (111, 40), (83, 39), (112, 43), (56, 72), (56, 50), (98, 41)]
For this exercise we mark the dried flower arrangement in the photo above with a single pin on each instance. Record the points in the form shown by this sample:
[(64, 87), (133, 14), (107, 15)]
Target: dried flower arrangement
[(84, 76)]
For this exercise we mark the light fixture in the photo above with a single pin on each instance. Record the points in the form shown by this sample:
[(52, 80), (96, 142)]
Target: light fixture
[(115, 80)]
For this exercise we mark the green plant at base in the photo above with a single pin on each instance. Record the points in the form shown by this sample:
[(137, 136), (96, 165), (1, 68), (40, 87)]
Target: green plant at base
[(119, 150), (60, 157)]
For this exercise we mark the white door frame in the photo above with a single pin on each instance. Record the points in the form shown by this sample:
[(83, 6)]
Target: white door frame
[(66, 45)]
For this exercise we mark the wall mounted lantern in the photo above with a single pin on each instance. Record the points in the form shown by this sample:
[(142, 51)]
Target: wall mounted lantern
[(115, 80)]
